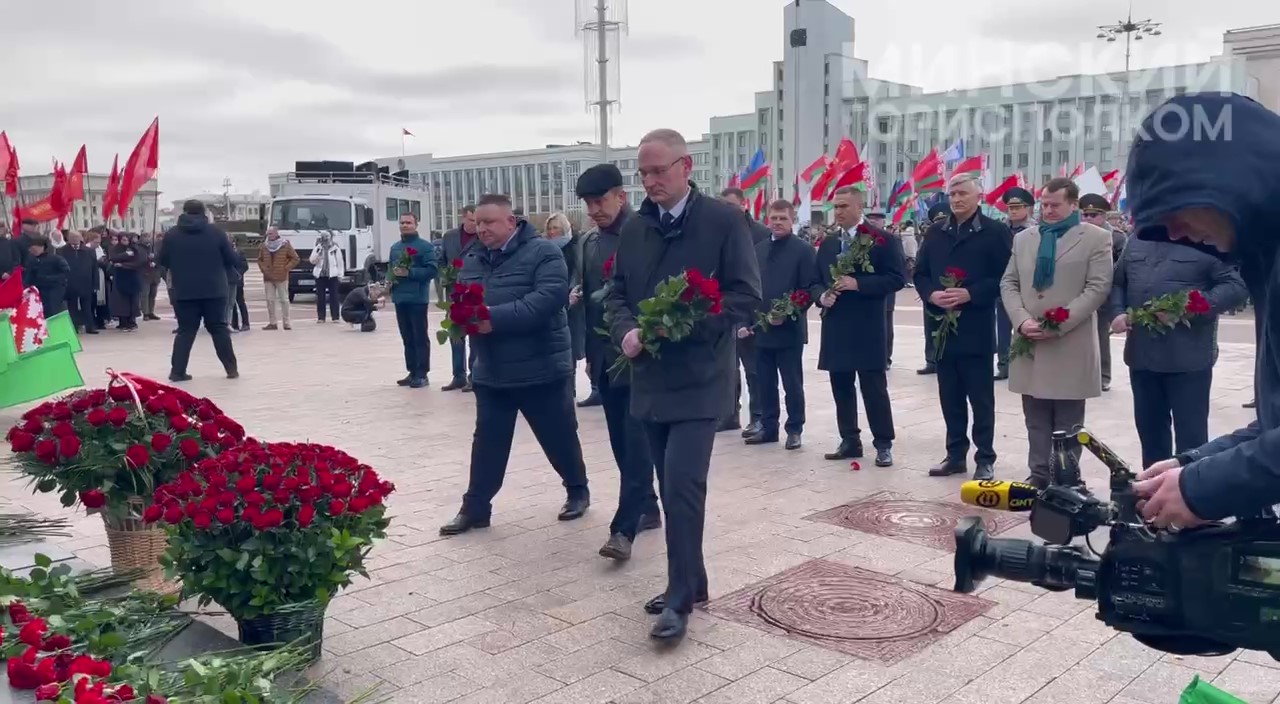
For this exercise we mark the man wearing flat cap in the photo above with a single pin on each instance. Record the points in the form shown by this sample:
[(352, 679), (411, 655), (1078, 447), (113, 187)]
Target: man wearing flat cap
[(1093, 210), (938, 212), (1019, 203), (605, 201)]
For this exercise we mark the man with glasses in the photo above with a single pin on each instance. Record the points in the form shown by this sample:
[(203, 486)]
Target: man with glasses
[(1018, 202), (1093, 210), (682, 395)]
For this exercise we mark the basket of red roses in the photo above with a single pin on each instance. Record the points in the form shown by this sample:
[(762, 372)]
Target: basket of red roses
[(271, 532), (108, 449)]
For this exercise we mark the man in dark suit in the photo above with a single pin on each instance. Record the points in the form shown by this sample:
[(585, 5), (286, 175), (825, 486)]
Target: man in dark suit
[(197, 256), (455, 244), (524, 361), (876, 218), (976, 248), (1019, 203), (786, 268), (682, 395), (82, 282), (746, 344), (855, 328), (938, 212), (1093, 210), (601, 190)]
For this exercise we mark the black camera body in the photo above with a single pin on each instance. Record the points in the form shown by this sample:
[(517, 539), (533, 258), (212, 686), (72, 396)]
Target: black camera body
[(1205, 591)]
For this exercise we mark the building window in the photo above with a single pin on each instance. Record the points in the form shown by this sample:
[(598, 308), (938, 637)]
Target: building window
[(1023, 160), (1008, 160), (1046, 159)]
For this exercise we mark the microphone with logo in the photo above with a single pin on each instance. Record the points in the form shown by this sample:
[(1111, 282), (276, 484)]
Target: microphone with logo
[(999, 496)]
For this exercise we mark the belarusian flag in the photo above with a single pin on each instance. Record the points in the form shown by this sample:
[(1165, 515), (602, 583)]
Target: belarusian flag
[(37, 356)]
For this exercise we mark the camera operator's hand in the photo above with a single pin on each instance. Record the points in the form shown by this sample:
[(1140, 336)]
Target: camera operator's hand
[(1158, 468), (1162, 501)]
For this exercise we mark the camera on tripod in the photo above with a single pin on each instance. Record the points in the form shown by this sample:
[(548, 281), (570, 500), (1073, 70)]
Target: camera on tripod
[(1203, 591)]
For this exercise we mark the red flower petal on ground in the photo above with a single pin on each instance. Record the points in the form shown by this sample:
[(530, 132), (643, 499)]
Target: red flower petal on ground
[(22, 675), (855, 466), (137, 456), (155, 699), (93, 498)]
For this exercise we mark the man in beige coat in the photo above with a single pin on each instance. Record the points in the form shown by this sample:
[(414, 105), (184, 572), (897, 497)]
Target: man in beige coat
[(1062, 262)]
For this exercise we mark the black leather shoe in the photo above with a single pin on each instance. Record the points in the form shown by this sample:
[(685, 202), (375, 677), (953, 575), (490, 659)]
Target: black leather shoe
[(762, 438), (947, 468), (1039, 482), (793, 441), (467, 388), (984, 472), (618, 547), (927, 369), (405, 381), (729, 424), (1106, 386), (670, 626), (846, 451), (649, 521), (1251, 404), (461, 524), (591, 400), (658, 604), (884, 458), (418, 382), (1002, 373), (573, 509), (454, 385), (179, 377), (233, 373), (752, 428)]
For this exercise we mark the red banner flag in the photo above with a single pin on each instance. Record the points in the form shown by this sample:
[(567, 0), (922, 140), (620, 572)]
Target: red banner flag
[(112, 195), (849, 178), (812, 170), (759, 206), (11, 174), (75, 179), (995, 198), (58, 196), (140, 167), (6, 151)]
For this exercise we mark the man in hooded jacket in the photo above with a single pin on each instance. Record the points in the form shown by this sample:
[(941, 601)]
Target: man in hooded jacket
[(1203, 172)]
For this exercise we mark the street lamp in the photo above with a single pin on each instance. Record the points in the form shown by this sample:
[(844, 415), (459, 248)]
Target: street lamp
[(1133, 30)]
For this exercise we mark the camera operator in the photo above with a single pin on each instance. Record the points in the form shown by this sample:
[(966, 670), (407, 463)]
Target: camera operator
[(1203, 172)]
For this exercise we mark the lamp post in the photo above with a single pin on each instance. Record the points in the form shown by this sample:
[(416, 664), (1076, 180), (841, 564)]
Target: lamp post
[(1133, 30)]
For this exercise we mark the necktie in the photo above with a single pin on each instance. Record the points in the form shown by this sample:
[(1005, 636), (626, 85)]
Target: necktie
[(667, 221)]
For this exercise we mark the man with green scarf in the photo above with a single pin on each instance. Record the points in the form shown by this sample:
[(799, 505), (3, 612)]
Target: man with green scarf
[(1061, 264)]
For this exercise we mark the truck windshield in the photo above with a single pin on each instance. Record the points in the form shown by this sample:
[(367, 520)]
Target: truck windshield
[(304, 214)]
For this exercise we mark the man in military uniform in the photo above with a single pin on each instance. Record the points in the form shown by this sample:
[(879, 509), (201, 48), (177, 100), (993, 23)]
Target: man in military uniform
[(1093, 210), (937, 213), (1019, 203)]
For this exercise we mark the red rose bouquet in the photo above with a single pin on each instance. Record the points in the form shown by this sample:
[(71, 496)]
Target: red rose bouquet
[(1051, 321), (404, 261), (109, 448), (262, 526), (464, 311), (949, 320), (789, 307), (448, 277), (1164, 313), (855, 255), (679, 302)]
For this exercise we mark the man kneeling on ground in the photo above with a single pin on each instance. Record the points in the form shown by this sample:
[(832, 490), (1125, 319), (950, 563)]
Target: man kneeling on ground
[(359, 305)]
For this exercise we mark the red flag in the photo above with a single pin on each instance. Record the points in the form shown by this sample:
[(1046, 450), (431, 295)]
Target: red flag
[(11, 290), (75, 179), (927, 175), (140, 167), (58, 195), (753, 179), (5, 154), (995, 197), (11, 174), (112, 194), (759, 207), (849, 178), (1078, 170), (812, 170), (733, 182), (405, 133)]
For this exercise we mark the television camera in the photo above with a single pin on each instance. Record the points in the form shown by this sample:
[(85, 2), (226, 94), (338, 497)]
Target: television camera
[(1203, 591)]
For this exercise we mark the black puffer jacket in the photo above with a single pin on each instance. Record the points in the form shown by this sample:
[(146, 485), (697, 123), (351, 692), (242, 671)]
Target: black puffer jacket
[(527, 289)]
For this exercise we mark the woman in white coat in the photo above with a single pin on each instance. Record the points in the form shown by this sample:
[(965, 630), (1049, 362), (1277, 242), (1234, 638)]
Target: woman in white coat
[(330, 264)]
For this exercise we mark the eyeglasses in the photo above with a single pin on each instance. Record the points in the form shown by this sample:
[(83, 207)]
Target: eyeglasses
[(659, 171)]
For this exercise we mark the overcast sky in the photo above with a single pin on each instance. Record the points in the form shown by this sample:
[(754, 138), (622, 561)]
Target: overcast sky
[(246, 87)]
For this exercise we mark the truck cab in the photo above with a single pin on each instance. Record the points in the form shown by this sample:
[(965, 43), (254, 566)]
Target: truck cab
[(359, 210)]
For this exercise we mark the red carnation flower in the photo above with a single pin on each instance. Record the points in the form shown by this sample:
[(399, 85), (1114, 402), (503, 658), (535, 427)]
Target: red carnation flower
[(161, 442), (879, 241), (117, 416), (33, 425), (137, 456), (1197, 304), (21, 441), (152, 514), (189, 448), (482, 313), (306, 514), (460, 314), (456, 263), (93, 498), (359, 504), (862, 229)]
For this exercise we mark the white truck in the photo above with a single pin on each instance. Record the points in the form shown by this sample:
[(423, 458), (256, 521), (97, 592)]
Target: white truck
[(361, 210)]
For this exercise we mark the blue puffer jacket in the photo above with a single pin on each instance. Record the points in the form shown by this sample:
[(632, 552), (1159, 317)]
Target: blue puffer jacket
[(526, 288), (1220, 152), (414, 287)]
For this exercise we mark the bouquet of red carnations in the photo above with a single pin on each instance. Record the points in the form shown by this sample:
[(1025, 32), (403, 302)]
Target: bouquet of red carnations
[(1164, 313), (789, 307), (1051, 321), (948, 320), (855, 257), (679, 302), (464, 311)]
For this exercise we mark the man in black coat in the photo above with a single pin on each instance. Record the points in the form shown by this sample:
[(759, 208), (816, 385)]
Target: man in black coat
[(9, 257), (1019, 203), (681, 396), (938, 212), (786, 268), (601, 190), (22, 241), (1093, 210), (855, 328), (524, 361), (876, 218), (47, 272), (974, 248), (746, 344), (82, 282), (198, 256), (455, 245)]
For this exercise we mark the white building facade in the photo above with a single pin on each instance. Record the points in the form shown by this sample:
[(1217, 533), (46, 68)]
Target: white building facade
[(140, 215), (230, 206)]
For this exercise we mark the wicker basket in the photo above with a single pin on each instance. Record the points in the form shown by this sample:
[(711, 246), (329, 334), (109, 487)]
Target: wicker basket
[(302, 622), (137, 546)]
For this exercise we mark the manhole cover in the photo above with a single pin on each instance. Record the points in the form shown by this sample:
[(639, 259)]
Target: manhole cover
[(930, 523), (854, 611)]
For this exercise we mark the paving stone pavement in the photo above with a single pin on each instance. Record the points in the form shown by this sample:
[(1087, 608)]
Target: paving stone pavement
[(527, 612)]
